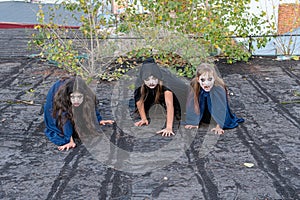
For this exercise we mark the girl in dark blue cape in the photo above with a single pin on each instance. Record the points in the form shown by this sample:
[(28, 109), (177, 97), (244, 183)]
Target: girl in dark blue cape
[(65, 95), (208, 99)]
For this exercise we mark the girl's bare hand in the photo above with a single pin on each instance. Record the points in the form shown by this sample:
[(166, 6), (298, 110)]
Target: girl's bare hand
[(68, 146), (218, 130), (190, 126), (141, 122), (166, 132), (104, 122)]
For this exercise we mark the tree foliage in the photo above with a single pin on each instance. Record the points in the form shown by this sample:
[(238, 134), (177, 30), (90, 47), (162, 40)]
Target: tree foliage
[(189, 30), (77, 50), (214, 22)]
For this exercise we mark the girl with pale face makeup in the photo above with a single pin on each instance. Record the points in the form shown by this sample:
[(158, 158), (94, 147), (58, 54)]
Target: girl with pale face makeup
[(152, 91), (206, 81), (76, 98), (208, 100), (151, 82), (64, 96)]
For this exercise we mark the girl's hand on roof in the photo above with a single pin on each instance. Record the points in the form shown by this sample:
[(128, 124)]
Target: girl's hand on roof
[(190, 126), (104, 122), (166, 132), (218, 130), (67, 146), (141, 122)]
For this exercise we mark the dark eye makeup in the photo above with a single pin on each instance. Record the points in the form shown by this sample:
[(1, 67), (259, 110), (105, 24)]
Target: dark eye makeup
[(203, 79), (79, 96)]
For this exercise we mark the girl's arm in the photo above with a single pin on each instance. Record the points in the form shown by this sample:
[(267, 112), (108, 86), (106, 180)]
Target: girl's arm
[(168, 131), (68, 131), (99, 117), (68, 139), (192, 118), (170, 109), (141, 109)]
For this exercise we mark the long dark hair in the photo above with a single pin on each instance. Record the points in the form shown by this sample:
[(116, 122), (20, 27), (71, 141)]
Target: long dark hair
[(84, 116), (62, 106)]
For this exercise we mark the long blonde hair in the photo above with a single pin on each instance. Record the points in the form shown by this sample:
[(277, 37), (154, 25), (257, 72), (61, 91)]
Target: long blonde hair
[(201, 69)]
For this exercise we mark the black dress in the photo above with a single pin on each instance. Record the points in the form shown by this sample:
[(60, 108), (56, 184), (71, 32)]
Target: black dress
[(150, 100)]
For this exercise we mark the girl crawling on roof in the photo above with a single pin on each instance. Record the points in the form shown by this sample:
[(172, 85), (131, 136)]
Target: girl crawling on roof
[(151, 88), (67, 96), (208, 99)]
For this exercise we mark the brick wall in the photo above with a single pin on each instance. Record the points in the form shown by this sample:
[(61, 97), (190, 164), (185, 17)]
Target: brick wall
[(288, 17)]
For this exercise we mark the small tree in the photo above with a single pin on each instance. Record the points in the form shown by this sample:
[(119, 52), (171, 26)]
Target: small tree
[(77, 50)]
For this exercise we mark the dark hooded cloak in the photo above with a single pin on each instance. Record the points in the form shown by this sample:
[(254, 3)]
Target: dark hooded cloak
[(170, 83)]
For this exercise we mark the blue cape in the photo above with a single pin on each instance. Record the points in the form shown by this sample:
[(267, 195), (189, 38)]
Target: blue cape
[(52, 130), (212, 104)]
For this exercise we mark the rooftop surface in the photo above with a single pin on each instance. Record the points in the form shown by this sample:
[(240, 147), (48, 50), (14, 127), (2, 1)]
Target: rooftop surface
[(263, 91)]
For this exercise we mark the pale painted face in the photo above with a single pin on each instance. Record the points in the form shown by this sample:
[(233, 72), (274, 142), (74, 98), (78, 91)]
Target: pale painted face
[(76, 98), (206, 81), (151, 82)]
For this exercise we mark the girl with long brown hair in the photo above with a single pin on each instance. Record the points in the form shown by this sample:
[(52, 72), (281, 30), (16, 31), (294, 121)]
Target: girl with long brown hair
[(63, 97), (208, 100)]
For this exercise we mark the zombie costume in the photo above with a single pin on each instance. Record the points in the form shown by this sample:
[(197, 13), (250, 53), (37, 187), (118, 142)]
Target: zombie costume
[(170, 83), (52, 131), (212, 104)]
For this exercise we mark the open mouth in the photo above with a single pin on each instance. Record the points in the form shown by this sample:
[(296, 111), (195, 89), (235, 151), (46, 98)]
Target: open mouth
[(152, 85), (206, 88)]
